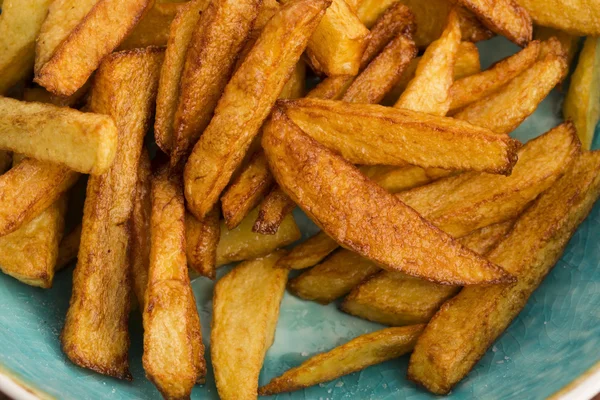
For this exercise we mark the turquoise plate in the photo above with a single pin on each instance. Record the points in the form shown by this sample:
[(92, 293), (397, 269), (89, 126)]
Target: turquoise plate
[(555, 339)]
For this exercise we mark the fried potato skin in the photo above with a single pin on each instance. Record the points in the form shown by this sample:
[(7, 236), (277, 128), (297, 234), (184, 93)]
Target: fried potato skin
[(582, 104), (124, 88), (272, 211), (349, 208), (247, 101), (82, 49), (85, 142), (68, 248), (214, 46), (180, 34), (463, 329), (243, 330), (578, 17), (202, 238), (355, 355), (20, 24), (309, 252), (355, 131), (153, 28), (173, 351)]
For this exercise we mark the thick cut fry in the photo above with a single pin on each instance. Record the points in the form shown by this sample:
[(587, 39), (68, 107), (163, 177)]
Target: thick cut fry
[(373, 134), (463, 329), (214, 46), (578, 17), (272, 211), (429, 90), (180, 34), (570, 43), (95, 334), (84, 142), (357, 213), (266, 10), (582, 104), (397, 179), (504, 17), (77, 35), (243, 330), (478, 86), (246, 190), (173, 350), (369, 11), (242, 244), (68, 248), (20, 23), (153, 29), (357, 354), (308, 253), (41, 95), (202, 238), (247, 101), (503, 111)]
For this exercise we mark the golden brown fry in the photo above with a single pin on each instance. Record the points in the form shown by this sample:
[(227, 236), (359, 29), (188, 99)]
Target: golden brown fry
[(504, 17), (309, 252), (215, 43), (20, 23), (202, 239), (355, 355), (242, 244), (429, 90), (570, 43), (578, 17), (68, 248), (85, 142), (95, 334), (272, 211), (463, 329), (357, 213), (582, 104), (266, 10), (173, 350), (247, 102), (397, 179), (504, 110), (153, 29), (356, 132), (180, 34), (41, 95), (295, 86), (478, 86), (369, 11), (75, 37), (243, 330)]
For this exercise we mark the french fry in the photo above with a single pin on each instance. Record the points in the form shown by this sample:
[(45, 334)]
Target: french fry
[(354, 130), (76, 36), (578, 17), (369, 11), (20, 23), (247, 101), (582, 104), (153, 28), (475, 87), (242, 330), (309, 252), (355, 355), (215, 43), (463, 329), (202, 238), (349, 208), (504, 110), (68, 248), (173, 351), (429, 90), (272, 211), (180, 34), (570, 43), (41, 95), (95, 334), (397, 179), (392, 298), (266, 10)]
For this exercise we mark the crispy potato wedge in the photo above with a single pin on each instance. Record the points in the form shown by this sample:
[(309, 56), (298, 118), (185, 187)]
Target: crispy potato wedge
[(202, 238), (243, 330), (77, 35), (578, 17), (95, 334), (272, 212), (570, 43), (153, 28), (504, 110), (215, 43), (369, 11), (504, 17), (355, 355), (242, 244), (397, 179), (349, 207), (475, 87), (429, 90), (355, 131), (582, 104), (173, 351), (247, 102), (309, 252), (463, 329), (68, 248), (180, 34), (393, 298), (41, 95), (20, 25)]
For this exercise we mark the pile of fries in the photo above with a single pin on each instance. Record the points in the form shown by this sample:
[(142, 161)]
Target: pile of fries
[(401, 154)]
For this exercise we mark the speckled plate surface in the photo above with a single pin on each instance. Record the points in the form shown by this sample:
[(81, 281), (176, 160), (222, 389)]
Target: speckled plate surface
[(554, 341)]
